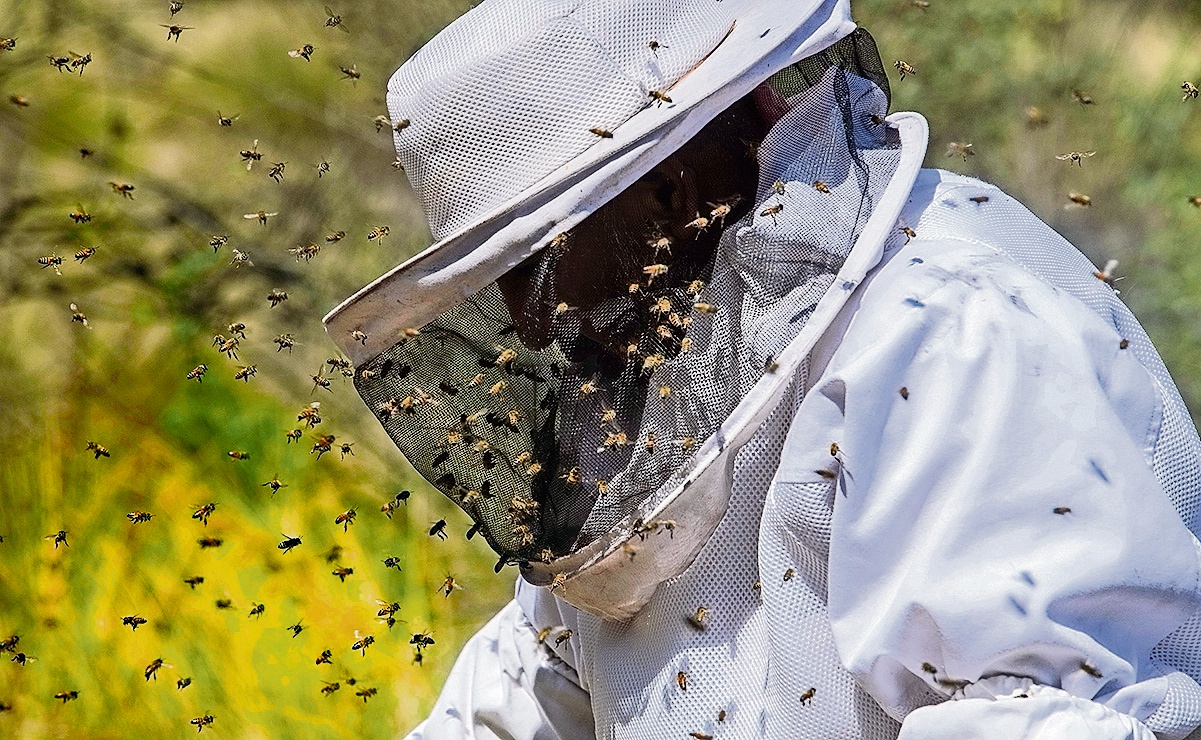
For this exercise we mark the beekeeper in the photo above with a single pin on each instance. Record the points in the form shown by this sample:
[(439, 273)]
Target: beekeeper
[(788, 437)]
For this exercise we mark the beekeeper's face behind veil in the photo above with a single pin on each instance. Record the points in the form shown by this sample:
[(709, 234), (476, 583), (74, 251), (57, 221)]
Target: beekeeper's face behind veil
[(623, 249)]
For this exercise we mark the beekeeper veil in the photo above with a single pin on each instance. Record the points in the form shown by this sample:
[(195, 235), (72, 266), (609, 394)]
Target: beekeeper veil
[(575, 396)]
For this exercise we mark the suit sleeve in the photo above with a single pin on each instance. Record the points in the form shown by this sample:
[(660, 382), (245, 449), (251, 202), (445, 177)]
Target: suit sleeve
[(998, 535)]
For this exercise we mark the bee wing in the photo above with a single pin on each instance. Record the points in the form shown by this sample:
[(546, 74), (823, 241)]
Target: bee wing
[(1063, 157), (273, 213), (1088, 154), (250, 215), (295, 53)]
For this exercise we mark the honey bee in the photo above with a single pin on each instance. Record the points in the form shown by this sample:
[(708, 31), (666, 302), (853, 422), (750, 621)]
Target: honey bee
[(438, 529), (329, 688), (289, 543), (807, 695), (9, 644), (296, 629), (139, 517), (204, 720), (961, 148), (558, 582), (310, 414), (682, 680), (904, 393), (325, 657), (979, 199), (1082, 97), (905, 69), (285, 341), (238, 329), (700, 736), (359, 336), (19, 100), (333, 20), (1090, 669), (346, 518), (152, 669), (124, 189), (225, 604), (293, 435), (655, 46), (341, 573), (789, 574), (1079, 199), (348, 73), (366, 693), (651, 362), (335, 236), (275, 484), (1061, 510), (59, 62), (1190, 91), (256, 610), (772, 210), (276, 172), (217, 241), (422, 640), (67, 696), (251, 155), (659, 98), (654, 271), (98, 450), (133, 622), (361, 643), (51, 260), (203, 513), (345, 450), (183, 683), (700, 223), (700, 619), (324, 444), (7, 44), (1076, 158), (79, 318), (194, 581), (1105, 274), (304, 52), (175, 31), (334, 554), (603, 133), (392, 562), (80, 217), (246, 372), (449, 586), (241, 258), (386, 609), (920, 4), (1195, 201), (821, 186), (276, 297), (226, 121), (207, 543), (378, 234), (563, 637)]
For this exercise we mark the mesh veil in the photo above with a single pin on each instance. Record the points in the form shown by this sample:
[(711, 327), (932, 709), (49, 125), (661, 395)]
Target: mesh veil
[(548, 448)]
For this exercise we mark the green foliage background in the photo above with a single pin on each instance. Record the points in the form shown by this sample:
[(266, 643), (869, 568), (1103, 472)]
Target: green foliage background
[(155, 295)]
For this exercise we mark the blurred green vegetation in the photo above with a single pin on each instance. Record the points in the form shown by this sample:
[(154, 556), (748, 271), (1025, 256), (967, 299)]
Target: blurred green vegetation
[(155, 294)]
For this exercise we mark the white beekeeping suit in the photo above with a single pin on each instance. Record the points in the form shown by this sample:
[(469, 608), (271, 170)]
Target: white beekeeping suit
[(889, 460)]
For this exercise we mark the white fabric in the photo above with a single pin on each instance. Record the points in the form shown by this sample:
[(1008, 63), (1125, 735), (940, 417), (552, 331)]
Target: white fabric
[(934, 564)]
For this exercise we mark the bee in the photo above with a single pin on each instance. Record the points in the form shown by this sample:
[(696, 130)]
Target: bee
[(133, 622), (654, 271), (655, 46), (333, 20), (285, 341), (324, 444), (289, 543), (721, 715), (603, 133), (203, 513), (361, 643), (700, 223), (721, 210), (386, 609), (304, 52), (227, 347), (194, 581), (1124, 344), (257, 610), (251, 155), (51, 260), (904, 393), (59, 62), (183, 683), (226, 121), (366, 693), (359, 336), (659, 98), (217, 241), (67, 696), (700, 735), (682, 680), (961, 148), (422, 640), (1090, 669), (876, 119), (98, 450), (789, 574), (80, 217), (772, 210), (558, 582), (1082, 97), (276, 297), (705, 308), (348, 73), (335, 236), (341, 573), (19, 100), (1195, 201), (209, 542), (152, 669), (382, 122), (22, 659), (1061, 510), (1076, 158), (276, 172), (1035, 118), (449, 586), (175, 6), (320, 381), (821, 186), (651, 362), (79, 318), (9, 644), (203, 720), (1105, 274), (310, 414), (807, 695), (78, 61), (296, 629), (700, 619), (238, 329), (905, 69), (1079, 199), (293, 435), (246, 372), (139, 517), (243, 258), (346, 518), (325, 657), (563, 637), (225, 604), (334, 554), (7, 44), (378, 234), (329, 688), (979, 199), (392, 562), (1190, 91)]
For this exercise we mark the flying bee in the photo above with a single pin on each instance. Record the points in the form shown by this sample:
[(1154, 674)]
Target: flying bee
[(80, 217), (217, 241), (204, 720), (905, 69), (449, 586), (304, 52), (821, 186), (242, 258), (699, 620), (654, 271), (194, 581), (85, 253), (246, 372), (333, 20), (386, 609), (183, 683), (203, 513), (1195, 201), (366, 693), (961, 148), (320, 381), (285, 341), (772, 210), (133, 622), (325, 657), (700, 223), (1105, 274), (438, 529), (67, 696), (908, 232), (422, 640), (359, 336), (227, 347), (1082, 97), (9, 644), (79, 318), (238, 329), (1076, 158), (1190, 91), (19, 100), (341, 573), (207, 543), (682, 680), (324, 444), (310, 414), (1079, 199), (807, 695), (276, 172), (335, 236), (329, 688), (175, 31), (382, 122), (1035, 118), (22, 659), (289, 543), (378, 234), (296, 629), (225, 604), (139, 517), (79, 61), (563, 637), (275, 484), (392, 562), (51, 260), (276, 297), (251, 155), (97, 449), (152, 669), (362, 642), (7, 44), (226, 121), (346, 518), (59, 62), (257, 610)]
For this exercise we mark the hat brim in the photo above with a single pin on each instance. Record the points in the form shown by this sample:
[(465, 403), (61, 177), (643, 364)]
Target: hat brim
[(771, 35)]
